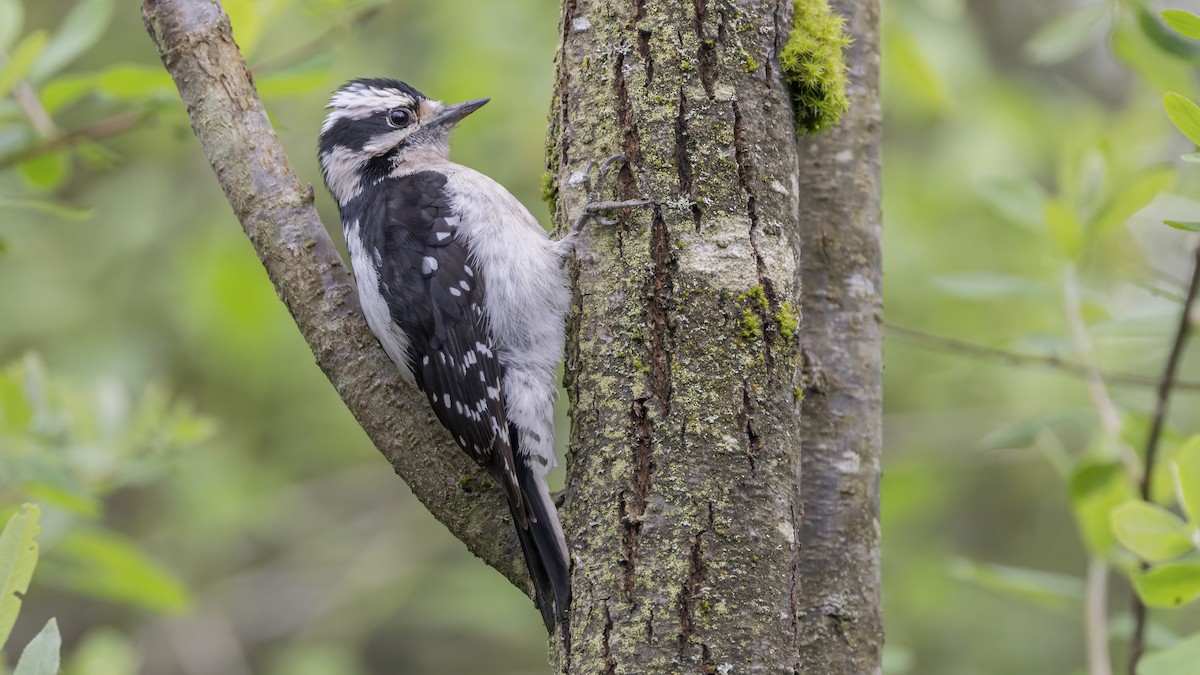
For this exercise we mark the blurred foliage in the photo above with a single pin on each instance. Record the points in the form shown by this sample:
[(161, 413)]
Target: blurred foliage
[(209, 506), (1030, 165)]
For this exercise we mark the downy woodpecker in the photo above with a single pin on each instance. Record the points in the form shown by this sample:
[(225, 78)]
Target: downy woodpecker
[(465, 292)]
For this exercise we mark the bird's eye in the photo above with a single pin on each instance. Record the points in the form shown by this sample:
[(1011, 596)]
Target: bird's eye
[(399, 118)]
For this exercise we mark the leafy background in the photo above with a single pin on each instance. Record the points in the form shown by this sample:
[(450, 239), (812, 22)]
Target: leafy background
[(207, 505)]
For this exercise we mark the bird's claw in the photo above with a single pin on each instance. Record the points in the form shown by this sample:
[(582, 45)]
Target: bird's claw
[(595, 205)]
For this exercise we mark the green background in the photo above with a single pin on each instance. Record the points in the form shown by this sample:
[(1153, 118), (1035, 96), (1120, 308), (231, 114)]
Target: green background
[(209, 506)]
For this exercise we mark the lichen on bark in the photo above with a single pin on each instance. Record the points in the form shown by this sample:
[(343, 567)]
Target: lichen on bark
[(682, 497)]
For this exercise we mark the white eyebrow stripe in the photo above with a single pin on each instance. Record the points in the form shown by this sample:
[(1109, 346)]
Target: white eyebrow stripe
[(368, 100)]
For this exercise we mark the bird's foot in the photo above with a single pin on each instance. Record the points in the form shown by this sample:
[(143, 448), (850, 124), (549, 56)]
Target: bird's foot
[(596, 206)]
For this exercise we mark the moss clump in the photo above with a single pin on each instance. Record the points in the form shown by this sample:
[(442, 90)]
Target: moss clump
[(814, 67), (798, 394), (466, 483), (789, 322), (751, 325), (550, 191), (758, 295)]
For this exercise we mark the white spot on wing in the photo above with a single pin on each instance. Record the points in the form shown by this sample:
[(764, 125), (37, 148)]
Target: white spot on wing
[(429, 265)]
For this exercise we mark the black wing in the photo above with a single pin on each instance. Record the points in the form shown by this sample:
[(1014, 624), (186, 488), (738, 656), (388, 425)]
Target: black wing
[(436, 295)]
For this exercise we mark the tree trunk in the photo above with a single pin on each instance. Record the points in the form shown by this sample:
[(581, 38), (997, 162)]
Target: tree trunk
[(841, 630), (683, 500)]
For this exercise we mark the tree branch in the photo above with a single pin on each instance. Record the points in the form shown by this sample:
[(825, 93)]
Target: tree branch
[(195, 42), (105, 128), (1167, 384), (949, 344)]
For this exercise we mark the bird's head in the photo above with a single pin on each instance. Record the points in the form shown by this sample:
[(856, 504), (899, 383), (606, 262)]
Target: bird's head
[(377, 125)]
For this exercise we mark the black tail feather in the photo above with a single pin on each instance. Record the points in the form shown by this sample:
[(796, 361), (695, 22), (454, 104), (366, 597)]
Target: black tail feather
[(544, 548), (550, 582)]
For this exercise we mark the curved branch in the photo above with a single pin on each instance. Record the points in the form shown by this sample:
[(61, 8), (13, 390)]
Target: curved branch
[(195, 42)]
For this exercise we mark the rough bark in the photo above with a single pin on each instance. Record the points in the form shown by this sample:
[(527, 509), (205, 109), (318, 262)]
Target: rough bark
[(196, 45), (840, 626), (682, 501)]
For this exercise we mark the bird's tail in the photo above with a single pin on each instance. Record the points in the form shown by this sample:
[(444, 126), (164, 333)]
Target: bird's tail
[(544, 546)]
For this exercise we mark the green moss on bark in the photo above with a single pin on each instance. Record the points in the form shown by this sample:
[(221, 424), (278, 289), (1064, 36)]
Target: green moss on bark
[(814, 67)]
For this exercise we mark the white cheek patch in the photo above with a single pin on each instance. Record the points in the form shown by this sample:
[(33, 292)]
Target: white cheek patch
[(341, 172)]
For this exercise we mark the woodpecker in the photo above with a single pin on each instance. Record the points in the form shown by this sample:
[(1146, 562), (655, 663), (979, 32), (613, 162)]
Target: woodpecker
[(465, 292)]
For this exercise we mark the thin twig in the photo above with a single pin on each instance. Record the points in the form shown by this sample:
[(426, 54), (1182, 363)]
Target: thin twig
[(34, 110), (28, 99), (1073, 368), (1167, 384), (105, 128), (316, 45), (1099, 659), (1096, 618), (1110, 418)]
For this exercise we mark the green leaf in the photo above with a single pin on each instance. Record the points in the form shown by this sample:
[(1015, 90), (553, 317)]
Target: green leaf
[(71, 499), (1152, 532), (1184, 114), (1164, 72), (1064, 224), (1169, 585), (133, 82), (1067, 35), (291, 83), (1055, 591), (1193, 157), (1186, 225), (18, 557), (1186, 471), (914, 72), (103, 652), (1096, 488), (45, 172), (21, 60), (107, 566), (1180, 659), (16, 412), (64, 90), (82, 28), (988, 286), (1024, 433), (12, 15), (64, 211), (1133, 198), (41, 655), (1019, 199), (1166, 40), (1183, 22)]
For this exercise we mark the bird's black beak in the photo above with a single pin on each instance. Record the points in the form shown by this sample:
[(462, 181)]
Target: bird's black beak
[(449, 115)]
